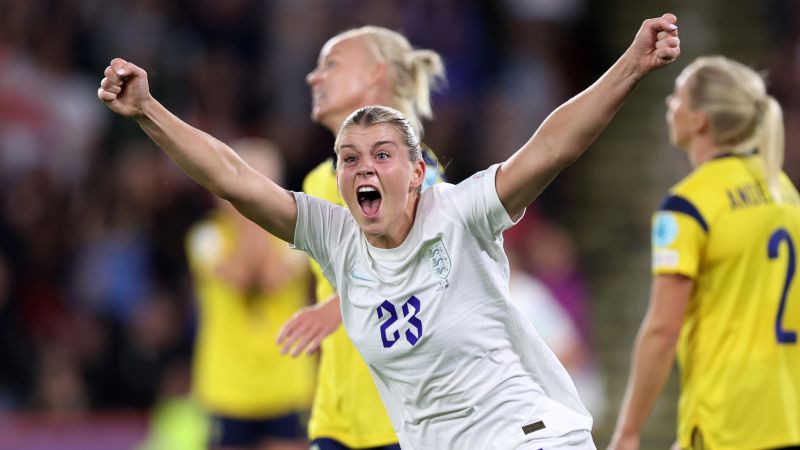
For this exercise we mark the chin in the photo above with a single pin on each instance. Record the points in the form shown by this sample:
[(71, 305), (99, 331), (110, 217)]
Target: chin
[(371, 226)]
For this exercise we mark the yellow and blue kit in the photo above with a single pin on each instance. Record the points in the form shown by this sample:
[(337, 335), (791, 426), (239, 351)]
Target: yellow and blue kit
[(738, 349), (238, 370)]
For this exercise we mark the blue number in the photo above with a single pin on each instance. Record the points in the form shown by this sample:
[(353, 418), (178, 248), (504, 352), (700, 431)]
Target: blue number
[(389, 308), (783, 336), (413, 320)]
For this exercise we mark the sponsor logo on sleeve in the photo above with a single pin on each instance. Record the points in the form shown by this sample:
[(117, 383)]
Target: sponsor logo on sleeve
[(665, 259)]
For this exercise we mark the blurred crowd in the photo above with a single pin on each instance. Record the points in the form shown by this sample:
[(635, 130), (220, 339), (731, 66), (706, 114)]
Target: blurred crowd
[(96, 307)]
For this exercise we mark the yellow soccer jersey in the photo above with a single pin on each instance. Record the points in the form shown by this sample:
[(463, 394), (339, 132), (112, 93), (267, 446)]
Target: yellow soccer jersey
[(347, 406), (238, 369), (738, 349)]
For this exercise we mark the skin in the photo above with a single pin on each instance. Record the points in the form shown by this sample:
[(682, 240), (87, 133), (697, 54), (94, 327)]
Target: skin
[(690, 129), (347, 77), (559, 141), (374, 156), (656, 342)]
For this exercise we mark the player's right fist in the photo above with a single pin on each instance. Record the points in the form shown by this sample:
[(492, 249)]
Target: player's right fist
[(124, 89)]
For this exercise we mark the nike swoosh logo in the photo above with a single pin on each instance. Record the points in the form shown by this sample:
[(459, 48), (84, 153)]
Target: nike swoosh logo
[(359, 277)]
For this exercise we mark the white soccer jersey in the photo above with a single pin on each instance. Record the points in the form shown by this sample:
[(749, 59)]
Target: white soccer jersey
[(456, 364)]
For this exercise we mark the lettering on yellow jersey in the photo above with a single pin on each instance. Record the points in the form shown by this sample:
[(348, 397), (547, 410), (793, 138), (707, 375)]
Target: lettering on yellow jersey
[(748, 195)]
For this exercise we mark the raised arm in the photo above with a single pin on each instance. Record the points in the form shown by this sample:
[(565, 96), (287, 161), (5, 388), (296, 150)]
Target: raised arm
[(572, 127), (207, 160)]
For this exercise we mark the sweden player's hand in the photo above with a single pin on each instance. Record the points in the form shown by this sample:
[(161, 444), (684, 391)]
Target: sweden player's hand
[(656, 44), (124, 88), (307, 328)]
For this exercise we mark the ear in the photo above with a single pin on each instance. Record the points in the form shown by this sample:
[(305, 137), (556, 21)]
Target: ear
[(700, 122), (379, 73), (418, 175)]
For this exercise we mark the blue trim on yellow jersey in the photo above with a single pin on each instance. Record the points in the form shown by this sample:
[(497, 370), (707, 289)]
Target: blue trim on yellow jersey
[(752, 152), (680, 204)]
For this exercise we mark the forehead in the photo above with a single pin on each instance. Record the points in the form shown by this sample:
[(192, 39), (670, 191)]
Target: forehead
[(360, 136), (343, 45)]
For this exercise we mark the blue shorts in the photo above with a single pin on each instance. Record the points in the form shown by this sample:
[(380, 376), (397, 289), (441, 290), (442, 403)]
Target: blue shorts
[(228, 432), (330, 444)]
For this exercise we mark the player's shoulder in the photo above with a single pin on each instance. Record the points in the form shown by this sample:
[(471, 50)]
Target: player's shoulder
[(700, 180), (705, 187)]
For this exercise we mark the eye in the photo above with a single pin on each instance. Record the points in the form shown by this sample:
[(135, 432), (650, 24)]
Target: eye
[(349, 159), (382, 155)]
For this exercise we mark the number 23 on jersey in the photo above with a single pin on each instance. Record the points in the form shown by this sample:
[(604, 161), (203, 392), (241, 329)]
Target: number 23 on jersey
[(404, 321)]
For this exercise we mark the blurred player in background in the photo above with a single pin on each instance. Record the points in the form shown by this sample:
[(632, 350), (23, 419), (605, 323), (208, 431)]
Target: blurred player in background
[(364, 66), (724, 261), (248, 283)]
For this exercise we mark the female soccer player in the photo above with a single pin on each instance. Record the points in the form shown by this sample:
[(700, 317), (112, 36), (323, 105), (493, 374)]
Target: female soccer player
[(723, 264), (423, 278), (365, 66)]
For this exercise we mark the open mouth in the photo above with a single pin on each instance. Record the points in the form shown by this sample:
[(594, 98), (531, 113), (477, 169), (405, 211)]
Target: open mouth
[(369, 199)]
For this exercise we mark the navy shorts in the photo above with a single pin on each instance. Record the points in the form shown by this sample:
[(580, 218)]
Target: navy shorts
[(228, 432), (330, 444)]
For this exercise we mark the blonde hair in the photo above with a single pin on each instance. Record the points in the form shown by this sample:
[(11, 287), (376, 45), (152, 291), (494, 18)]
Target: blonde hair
[(414, 72), (741, 112), (373, 115)]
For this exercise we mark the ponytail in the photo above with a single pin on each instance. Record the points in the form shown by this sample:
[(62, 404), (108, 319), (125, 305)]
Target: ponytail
[(772, 144)]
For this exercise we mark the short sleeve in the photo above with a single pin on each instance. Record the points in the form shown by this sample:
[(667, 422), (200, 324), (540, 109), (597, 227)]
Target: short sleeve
[(679, 237), (320, 227), (479, 205)]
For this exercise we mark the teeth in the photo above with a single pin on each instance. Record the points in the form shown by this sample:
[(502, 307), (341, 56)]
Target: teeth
[(366, 189)]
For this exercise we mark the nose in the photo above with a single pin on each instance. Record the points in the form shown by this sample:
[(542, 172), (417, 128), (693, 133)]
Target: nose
[(365, 169), (669, 99), (312, 77)]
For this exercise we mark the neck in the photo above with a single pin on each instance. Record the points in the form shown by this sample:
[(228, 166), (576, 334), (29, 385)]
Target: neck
[(334, 123), (399, 229), (702, 149)]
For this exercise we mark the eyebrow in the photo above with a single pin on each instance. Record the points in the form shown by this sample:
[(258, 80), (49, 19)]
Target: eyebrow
[(374, 146), (379, 143)]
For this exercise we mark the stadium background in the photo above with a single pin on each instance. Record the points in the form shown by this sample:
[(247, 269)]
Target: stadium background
[(95, 304)]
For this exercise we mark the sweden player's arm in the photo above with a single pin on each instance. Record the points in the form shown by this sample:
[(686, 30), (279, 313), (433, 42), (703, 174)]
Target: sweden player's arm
[(653, 355)]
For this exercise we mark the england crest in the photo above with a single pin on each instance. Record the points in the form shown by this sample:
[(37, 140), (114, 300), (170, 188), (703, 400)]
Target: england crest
[(438, 259)]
